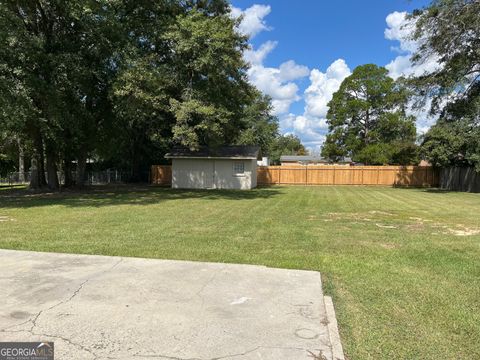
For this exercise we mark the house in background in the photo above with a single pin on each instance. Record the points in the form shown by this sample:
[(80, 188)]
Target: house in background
[(264, 162), (225, 167), (287, 160), (424, 162)]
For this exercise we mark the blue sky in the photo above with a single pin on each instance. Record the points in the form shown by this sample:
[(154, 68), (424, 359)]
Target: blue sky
[(301, 51)]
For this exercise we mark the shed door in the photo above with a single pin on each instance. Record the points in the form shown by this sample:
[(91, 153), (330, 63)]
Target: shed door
[(193, 174), (209, 174), (204, 173)]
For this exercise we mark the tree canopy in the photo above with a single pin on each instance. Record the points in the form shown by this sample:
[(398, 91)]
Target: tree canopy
[(286, 145), (367, 120), (120, 82), (449, 32)]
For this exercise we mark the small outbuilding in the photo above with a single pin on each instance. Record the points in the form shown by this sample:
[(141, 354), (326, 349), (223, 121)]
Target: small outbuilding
[(225, 167)]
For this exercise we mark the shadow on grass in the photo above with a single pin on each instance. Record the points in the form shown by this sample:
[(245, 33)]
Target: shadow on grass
[(446, 191), (97, 196), (437, 191)]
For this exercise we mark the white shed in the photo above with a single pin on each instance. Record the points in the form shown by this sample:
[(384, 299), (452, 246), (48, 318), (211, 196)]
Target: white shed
[(225, 167)]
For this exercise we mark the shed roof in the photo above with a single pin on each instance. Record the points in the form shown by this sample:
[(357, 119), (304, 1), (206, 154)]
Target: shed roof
[(225, 152)]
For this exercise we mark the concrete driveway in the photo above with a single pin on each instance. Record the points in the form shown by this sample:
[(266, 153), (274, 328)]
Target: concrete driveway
[(98, 307)]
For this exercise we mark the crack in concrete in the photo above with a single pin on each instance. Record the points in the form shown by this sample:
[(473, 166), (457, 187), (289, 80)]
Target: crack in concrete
[(35, 318), (15, 325), (209, 281)]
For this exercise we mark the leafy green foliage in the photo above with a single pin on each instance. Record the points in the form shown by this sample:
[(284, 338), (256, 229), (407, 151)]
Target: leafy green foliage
[(455, 139), (206, 57), (259, 127), (286, 145), (122, 81), (367, 120), (449, 30)]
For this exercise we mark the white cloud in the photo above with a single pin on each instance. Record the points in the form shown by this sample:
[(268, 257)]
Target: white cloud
[(272, 81), (256, 57), (322, 87), (253, 19), (400, 28), (278, 83), (312, 126), (403, 66), (291, 71)]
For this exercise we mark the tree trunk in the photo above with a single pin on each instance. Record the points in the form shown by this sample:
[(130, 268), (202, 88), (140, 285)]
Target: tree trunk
[(52, 175), (34, 175), (135, 168), (67, 171), (136, 157), (367, 125), (81, 167), (37, 180), (21, 161)]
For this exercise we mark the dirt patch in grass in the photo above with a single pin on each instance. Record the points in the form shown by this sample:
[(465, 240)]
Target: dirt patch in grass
[(377, 244), (462, 232), (413, 224), (419, 220), (378, 212), (349, 216), (417, 227), (388, 245), (384, 226), (5, 218)]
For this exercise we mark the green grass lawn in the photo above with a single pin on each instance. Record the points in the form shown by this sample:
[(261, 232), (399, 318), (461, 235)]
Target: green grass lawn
[(403, 265)]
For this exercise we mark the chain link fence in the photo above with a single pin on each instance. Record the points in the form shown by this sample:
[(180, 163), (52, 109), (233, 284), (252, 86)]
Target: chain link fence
[(110, 176), (15, 178)]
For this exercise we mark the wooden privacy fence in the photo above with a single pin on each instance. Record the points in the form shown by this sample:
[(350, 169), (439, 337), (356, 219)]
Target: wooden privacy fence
[(161, 174), (348, 175), (329, 175), (460, 179)]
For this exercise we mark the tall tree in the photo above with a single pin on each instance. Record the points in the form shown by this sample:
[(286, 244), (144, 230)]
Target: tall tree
[(455, 139), (286, 145), (449, 32), (183, 82), (58, 53), (208, 64), (258, 125), (367, 119), (122, 81)]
